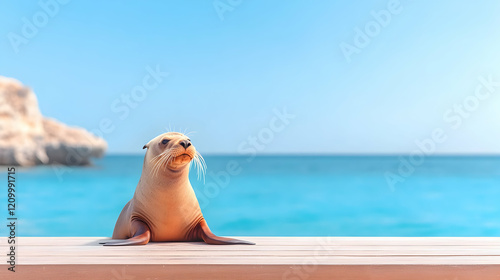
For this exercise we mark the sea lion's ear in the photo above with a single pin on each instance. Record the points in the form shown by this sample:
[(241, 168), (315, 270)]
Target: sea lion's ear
[(147, 145)]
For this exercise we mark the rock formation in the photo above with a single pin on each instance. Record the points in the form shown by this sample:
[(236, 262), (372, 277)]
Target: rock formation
[(27, 138)]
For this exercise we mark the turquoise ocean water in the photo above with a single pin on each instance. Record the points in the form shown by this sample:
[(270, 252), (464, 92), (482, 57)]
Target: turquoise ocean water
[(277, 196)]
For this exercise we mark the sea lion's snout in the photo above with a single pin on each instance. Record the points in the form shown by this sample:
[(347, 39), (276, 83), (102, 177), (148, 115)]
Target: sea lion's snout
[(185, 143), (183, 152)]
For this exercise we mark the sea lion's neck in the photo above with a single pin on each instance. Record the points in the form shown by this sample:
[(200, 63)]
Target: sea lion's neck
[(161, 184)]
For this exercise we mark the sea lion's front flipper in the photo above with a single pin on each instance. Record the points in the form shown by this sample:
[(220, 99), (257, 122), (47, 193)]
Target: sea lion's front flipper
[(141, 236), (213, 239)]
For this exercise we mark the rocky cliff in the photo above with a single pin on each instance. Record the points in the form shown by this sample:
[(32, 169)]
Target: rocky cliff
[(28, 138)]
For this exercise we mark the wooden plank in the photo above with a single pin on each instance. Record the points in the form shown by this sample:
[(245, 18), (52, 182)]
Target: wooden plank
[(268, 260), (203, 250), (273, 257), (254, 272)]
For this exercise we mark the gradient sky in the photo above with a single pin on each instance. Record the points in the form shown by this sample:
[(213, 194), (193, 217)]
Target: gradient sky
[(227, 74)]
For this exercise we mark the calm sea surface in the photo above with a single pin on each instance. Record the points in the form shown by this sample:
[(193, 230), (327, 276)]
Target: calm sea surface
[(277, 196)]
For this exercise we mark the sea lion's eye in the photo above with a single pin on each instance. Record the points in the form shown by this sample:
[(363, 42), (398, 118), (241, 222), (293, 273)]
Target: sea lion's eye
[(164, 141)]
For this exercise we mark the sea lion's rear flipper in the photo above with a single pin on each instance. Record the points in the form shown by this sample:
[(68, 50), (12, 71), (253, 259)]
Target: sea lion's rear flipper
[(213, 239), (141, 236)]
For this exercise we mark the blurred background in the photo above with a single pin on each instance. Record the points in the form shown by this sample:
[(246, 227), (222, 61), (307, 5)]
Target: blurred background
[(342, 119)]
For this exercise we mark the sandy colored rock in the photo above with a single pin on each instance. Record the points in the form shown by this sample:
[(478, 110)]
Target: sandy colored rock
[(27, 138)]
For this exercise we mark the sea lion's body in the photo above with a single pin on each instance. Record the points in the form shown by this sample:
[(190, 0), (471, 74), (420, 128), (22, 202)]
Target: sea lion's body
[(164, 206), (169, 208)]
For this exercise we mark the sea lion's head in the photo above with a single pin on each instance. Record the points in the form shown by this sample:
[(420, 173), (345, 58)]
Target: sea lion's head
[(172, 151)]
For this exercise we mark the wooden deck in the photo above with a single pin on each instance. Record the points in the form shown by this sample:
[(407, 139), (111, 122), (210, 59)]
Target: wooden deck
[(294, 258)]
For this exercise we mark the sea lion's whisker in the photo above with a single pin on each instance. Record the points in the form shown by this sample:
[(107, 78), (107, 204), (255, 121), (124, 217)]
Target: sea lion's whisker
[(196, 161), (171, 157), (155, 162), (160, 155), (163, 162), (193, 163), (198, 169), (159, 161), (200, 161), (156, 157), (168, 158)]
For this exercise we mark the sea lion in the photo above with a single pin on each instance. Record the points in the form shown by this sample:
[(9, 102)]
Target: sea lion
[(164, 206)]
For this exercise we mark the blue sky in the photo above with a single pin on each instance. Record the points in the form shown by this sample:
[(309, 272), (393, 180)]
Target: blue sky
[(230, 67)]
